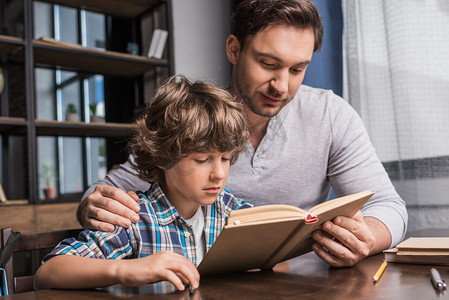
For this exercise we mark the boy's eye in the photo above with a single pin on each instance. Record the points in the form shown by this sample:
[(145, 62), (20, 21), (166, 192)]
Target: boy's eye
[(201, 160), (226, 158)]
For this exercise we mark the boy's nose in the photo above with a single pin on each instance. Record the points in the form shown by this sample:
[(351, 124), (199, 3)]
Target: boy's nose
[(217, 172)]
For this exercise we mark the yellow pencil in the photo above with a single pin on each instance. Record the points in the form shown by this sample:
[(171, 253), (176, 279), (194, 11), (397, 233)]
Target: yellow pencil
[(380, 271)]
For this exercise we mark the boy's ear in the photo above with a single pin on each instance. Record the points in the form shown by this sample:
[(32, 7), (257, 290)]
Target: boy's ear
[(161, 167), (232, 48)]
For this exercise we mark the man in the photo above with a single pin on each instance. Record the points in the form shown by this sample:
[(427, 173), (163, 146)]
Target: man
[(302, 140)]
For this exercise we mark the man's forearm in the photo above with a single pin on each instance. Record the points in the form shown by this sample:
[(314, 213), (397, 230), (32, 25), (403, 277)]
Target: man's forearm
[(381, 234)]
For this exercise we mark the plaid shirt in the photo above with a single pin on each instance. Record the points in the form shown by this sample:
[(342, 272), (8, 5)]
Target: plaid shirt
[(160, 228)]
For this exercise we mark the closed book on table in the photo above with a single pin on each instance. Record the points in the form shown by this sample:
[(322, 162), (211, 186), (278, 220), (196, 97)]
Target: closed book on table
[(260, 237), (420, 250)]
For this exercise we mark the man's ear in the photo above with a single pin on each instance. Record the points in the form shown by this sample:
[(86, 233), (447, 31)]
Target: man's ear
[(232, 48)]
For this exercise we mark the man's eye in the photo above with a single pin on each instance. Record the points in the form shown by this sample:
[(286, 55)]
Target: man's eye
[(226, 158), (267, 64), (296, 71)]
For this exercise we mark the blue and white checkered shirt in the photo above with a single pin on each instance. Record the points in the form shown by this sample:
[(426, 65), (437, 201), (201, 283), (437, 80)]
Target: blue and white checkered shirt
[(160, 228)]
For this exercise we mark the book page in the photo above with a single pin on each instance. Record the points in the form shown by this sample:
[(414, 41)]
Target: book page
[(322, 207), (392, 255), (266, 213), (424, 244)]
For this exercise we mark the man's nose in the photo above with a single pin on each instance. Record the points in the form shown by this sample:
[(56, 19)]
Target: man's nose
[(279, 83)]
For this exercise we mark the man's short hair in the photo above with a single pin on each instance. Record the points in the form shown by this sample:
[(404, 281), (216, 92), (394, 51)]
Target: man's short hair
[(185, 117), (252, 16)]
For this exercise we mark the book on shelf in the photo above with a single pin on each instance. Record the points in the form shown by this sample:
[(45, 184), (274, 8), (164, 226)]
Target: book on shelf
[(2, 194), (261, 237), (157, 44), (5, 201), (420, 250)]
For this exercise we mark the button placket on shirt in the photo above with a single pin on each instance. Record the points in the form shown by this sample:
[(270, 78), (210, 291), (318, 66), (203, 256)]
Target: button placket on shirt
[(187, 230), (255, 164), (256, 160)]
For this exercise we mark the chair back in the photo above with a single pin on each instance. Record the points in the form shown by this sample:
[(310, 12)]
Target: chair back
[(31, 242)]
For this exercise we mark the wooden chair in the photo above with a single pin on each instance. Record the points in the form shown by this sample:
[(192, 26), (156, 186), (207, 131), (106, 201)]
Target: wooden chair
[(31, 242)]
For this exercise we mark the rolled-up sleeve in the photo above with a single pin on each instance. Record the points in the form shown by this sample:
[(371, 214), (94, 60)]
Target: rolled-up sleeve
[(95, 244)]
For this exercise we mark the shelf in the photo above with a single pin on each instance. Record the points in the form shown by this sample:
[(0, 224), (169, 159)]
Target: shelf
[(8, 44), (127, 8), (76, 57), (12, 125), (55, 128), (127, 80)]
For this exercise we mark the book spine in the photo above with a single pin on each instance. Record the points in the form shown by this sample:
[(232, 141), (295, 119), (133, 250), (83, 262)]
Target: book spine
[(161, 44), (297, 237), (154, 42)]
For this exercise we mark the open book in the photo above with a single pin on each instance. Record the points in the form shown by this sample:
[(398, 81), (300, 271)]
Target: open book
[(260, 237), (420, 250)]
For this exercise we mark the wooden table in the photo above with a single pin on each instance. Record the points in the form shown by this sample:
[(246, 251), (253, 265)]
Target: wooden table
[(305, 277)]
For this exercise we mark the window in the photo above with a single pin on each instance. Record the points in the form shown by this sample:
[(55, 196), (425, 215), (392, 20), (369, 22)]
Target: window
[(75, 162)]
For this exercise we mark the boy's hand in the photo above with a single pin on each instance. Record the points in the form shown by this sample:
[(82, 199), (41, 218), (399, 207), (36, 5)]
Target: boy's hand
[(166, 265), (108, 206), (346, 241)]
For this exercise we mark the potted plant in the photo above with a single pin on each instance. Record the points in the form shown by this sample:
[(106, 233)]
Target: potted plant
[(71, 114), (48, 174), (94, 118)]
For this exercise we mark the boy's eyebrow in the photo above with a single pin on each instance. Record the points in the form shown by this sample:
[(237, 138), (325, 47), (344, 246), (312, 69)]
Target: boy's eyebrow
[(269, 55)]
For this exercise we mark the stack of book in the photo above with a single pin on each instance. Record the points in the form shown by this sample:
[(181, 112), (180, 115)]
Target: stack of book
[(420, 250)]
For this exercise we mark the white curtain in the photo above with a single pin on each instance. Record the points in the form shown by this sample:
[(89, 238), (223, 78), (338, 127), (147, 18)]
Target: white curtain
[(396, 66)]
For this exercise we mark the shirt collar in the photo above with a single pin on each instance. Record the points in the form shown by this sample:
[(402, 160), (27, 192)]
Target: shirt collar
[(165, 212)]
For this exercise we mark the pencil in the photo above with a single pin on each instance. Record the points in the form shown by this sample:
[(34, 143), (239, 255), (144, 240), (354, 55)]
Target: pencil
[(380, 271)]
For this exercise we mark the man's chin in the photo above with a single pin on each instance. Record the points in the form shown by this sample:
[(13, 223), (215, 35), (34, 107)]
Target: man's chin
[(266, 112), (262, 109)]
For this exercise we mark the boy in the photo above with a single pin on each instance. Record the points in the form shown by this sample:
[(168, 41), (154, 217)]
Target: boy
[(189, 136)]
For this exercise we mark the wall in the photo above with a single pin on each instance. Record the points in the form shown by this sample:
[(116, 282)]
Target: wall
[(200, 31)]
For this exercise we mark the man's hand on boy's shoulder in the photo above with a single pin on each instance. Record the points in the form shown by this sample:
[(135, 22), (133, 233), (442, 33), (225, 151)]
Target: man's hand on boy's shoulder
[(108, 206), (346, 241)]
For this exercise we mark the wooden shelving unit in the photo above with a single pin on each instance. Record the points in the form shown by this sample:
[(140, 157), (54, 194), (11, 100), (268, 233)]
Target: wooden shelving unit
[(12, 125), (77, 58), (9, 43), (131, 8), (26, 53), (55, 128)]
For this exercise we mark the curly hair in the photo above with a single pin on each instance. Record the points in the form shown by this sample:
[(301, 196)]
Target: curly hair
[(185, 117), (252, 16)]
